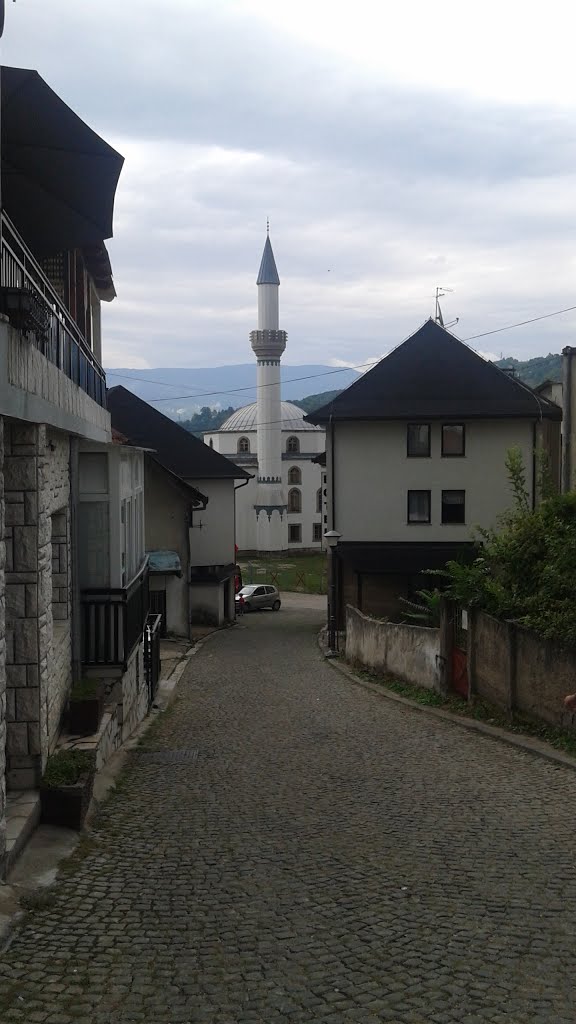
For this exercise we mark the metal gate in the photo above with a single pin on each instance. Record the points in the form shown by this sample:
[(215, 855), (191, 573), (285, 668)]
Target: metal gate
[(158, 607), (459, 659)]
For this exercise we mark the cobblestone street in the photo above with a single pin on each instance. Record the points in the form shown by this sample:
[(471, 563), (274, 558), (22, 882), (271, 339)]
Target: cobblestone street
[(318, 854)]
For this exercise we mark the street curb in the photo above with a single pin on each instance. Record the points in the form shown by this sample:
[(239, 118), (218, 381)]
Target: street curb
[(528, 744)]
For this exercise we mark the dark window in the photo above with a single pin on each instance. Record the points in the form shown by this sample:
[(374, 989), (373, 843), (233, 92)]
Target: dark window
[(211, 443), (259, 592), (453, 439), (294, 533), (317, 533), (243, 445), (294, 475), (418, 506), (453, 507), (294, 500), (418, 440), (319, 500), (293, 445)]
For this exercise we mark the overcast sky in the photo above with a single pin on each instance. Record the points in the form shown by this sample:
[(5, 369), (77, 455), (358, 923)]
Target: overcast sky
[(395, 147)]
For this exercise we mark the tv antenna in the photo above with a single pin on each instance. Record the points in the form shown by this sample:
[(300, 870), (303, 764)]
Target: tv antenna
[(440, 293)]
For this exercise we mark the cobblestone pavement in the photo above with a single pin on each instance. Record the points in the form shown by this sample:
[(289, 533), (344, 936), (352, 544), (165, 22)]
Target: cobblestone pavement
[(328, 856)]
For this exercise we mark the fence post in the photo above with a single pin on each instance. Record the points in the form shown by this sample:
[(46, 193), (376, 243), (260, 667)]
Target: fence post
[(512, 645), (471, 652), (446, 643)]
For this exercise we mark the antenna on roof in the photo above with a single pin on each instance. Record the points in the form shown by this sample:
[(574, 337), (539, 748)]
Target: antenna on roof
[(440, 293)]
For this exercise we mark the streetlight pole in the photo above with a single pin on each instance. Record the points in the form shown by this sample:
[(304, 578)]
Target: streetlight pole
[(331, 538)]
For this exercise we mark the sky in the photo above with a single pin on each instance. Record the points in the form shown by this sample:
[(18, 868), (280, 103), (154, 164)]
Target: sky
[(394, 147)]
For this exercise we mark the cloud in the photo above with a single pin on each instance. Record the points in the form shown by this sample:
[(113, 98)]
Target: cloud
[(379, 187)]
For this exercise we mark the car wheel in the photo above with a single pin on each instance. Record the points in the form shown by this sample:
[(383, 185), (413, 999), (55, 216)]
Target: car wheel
[(276, 606)]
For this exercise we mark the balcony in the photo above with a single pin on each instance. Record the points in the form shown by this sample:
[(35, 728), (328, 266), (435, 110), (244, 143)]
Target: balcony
[(113, 622), (48, 372), (44, 320)]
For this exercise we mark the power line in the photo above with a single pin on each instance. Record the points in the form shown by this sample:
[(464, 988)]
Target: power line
[(326, 373), (522, 323)]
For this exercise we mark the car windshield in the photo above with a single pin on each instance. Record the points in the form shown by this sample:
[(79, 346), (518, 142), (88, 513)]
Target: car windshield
[(246, 591)]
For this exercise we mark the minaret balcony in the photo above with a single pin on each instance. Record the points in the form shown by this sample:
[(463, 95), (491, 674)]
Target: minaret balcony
[(268, 344)]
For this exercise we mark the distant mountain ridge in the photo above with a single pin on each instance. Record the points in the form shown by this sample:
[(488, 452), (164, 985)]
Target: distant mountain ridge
[(535, 371), (182, 392)]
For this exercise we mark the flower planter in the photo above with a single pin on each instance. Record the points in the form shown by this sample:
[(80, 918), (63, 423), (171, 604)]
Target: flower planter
[(67, 805), (85, 715)]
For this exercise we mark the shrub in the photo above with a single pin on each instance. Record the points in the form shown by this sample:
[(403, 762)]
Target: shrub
[(65, 767)]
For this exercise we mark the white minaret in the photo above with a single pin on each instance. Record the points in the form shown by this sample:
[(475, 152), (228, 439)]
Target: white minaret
[(268, 344)]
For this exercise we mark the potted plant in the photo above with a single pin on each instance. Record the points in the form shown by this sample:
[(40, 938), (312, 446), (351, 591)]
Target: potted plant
[(66, 788), (86, 707)]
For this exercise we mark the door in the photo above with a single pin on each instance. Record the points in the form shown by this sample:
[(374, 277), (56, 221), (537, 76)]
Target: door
[(459, 660)]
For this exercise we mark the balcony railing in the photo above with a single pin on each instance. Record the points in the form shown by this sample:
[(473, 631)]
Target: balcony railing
[(113, 621), (53, 330)]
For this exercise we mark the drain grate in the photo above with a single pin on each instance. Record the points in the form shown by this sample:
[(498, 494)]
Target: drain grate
[(188, 756)]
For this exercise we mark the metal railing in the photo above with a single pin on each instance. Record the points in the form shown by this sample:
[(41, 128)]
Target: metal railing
[(113, 621), (55, 333), (152, 636)]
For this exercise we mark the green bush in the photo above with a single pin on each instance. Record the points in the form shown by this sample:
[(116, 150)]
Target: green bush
[(65, 767), (525, 570)]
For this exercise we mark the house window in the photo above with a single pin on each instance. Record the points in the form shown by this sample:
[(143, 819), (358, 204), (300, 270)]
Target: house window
[(453, 507), (294, 500), (317, 533), (418, 440), (294, 533), (293, 445), (418, 506), (453, 439), (243, 445), (294, 475), (319, 500)]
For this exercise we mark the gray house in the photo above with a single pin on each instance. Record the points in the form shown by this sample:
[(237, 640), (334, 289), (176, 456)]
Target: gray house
[(415, 458), (190, 511)]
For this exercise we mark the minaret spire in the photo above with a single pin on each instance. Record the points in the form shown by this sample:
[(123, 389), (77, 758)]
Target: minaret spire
[(268, 344)]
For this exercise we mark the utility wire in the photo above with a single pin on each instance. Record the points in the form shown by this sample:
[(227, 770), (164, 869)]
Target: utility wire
[(326, 373)]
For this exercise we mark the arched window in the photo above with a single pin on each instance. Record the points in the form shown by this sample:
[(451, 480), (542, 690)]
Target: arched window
[(293, 445), (211, 442), (294, 475), (319, 500), (243, 445), (294, 500)]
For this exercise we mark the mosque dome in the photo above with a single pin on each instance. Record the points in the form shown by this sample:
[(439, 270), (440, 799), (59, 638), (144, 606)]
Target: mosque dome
[(245, 419)]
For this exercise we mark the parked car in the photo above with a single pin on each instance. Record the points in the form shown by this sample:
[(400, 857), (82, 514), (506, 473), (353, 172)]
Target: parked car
[(259, 596)]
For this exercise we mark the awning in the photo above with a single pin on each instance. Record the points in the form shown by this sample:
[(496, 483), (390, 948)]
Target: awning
[(59, 177), (164, 563)]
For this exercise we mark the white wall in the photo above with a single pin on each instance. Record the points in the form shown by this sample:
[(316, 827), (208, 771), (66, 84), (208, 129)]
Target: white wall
[(213, 544), (373, 475)]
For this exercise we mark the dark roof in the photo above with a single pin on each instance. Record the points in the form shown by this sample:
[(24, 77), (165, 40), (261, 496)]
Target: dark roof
[(174, 447), (434, 375), (268, 273)]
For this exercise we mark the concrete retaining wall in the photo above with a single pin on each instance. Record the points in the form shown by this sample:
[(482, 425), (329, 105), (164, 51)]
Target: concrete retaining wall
[(407, 652)]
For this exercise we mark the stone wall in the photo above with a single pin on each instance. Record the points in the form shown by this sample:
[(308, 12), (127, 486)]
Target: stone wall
[(37, 485), (134, 693), (406, 652), (517, 670)]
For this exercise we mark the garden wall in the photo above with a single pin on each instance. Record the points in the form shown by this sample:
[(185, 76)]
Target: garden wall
[(407, 652), (516, 670)]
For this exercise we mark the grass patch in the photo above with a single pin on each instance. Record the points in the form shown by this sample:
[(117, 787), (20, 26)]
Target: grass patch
[(66, 767), (480, 710), (291, 571)]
